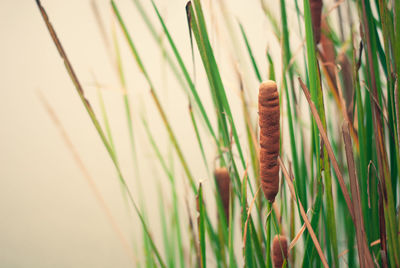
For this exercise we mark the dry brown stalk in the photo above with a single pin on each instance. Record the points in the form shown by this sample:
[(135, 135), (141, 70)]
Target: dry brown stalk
[(96, 192), (297, 238), (303, 214), (362, 244), (329, 149)]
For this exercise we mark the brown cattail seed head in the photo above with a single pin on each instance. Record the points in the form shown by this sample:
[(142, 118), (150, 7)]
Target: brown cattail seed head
[(316, 9), (348, 89), (223, 184), (279, 250), (328, 50), (268, 110)]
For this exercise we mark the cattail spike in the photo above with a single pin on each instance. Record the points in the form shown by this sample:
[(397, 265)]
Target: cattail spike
[(279, 250), (223, 184), (348, 89), (328, 49), (316, 10), (269, 116)]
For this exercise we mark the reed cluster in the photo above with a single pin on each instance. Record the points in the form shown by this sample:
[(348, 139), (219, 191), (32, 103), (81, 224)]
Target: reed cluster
[(329, 127)]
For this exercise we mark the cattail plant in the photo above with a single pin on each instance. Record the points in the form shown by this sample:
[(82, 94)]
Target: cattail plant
[(279, 250), (366, 84), (268, 109), (316, 9), (223, 182)]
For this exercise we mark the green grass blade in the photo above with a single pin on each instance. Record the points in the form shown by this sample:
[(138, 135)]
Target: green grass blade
[(185, 73), (201, 227), (216, 78), (174, 194), (286, 58), (253, 61), (196, 130), (127, 104), (317, 97), (105, 119), (155, 98), (271, 68), (169, 249), (384, 176)]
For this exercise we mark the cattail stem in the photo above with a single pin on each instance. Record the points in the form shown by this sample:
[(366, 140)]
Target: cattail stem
[(268, 234)]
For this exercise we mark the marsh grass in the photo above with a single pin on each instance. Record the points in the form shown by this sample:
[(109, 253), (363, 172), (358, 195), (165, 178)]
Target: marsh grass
[(339, 193)]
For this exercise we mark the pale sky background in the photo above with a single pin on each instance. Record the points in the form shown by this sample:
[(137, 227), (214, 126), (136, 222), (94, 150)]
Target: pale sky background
[(49, 216)]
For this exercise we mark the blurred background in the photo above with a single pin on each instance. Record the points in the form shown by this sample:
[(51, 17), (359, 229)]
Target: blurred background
[(49, 216)]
